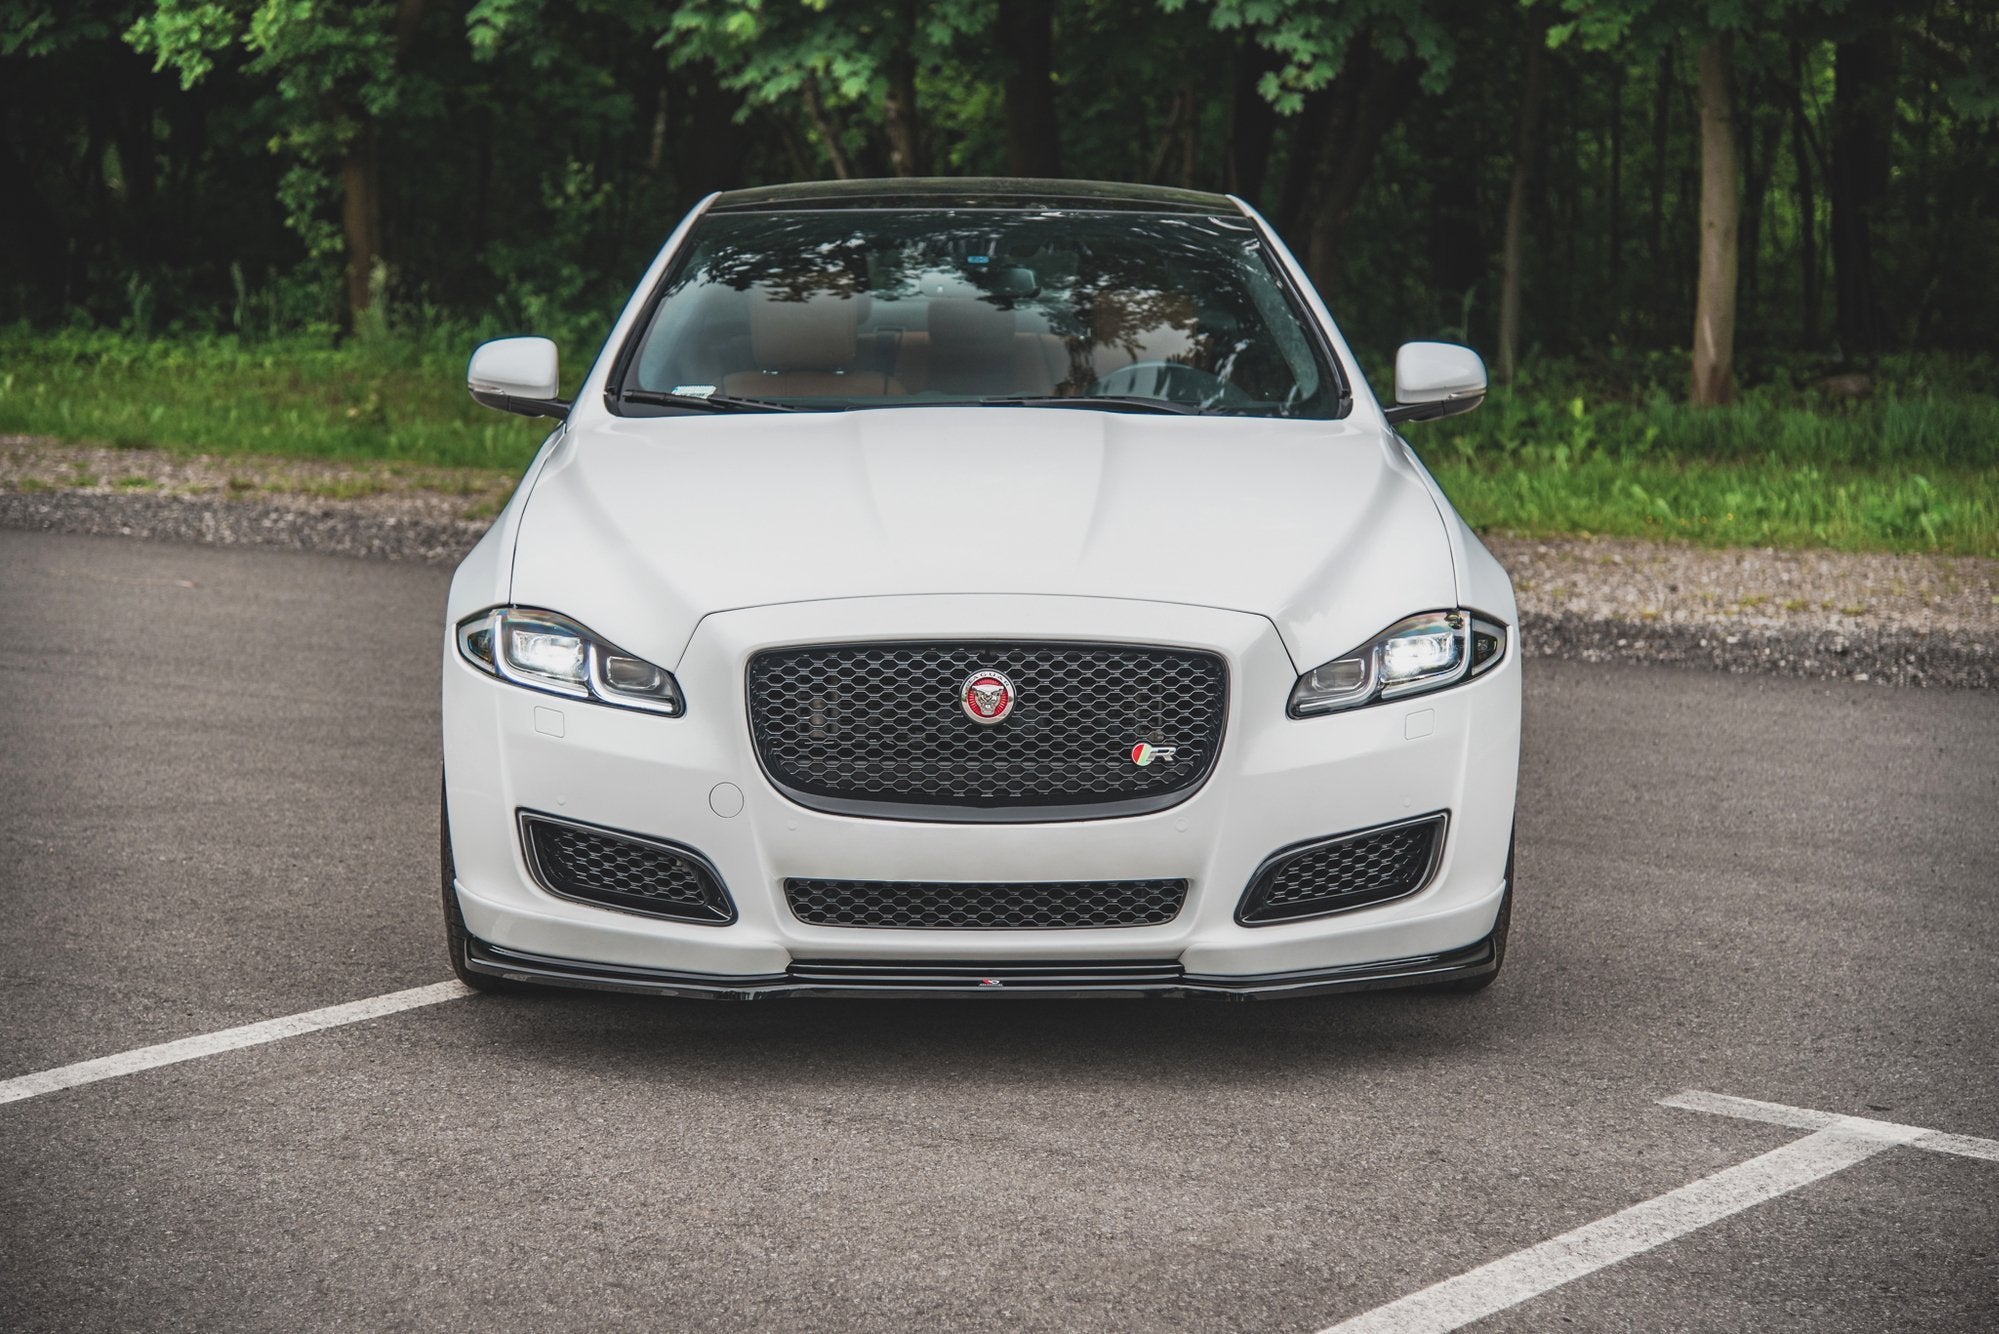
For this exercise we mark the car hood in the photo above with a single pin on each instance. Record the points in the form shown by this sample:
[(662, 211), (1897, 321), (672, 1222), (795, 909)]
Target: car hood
[(640, 527)]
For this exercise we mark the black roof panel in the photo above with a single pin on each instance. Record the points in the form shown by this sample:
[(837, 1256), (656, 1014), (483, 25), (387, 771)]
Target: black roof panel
[(970, 192)]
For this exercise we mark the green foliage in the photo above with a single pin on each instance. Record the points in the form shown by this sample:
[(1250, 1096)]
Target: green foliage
[(327, 61), (1312, 39), (400, 397), (182, 164), (1915, 467), (28, 28)]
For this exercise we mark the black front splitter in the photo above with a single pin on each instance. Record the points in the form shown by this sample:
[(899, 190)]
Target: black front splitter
[(881, 979)]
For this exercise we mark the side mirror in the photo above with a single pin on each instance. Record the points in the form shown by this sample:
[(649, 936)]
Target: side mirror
[(1435, 380), (517, 375)]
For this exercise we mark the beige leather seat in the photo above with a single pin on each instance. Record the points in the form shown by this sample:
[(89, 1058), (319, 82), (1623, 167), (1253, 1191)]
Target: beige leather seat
[(972, 349), (807, 349)]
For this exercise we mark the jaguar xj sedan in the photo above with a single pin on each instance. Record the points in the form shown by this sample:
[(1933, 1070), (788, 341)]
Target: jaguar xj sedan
[(978, 587)]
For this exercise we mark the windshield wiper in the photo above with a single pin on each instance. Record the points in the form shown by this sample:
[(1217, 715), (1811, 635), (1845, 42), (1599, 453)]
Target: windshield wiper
[(713, 402), (1107, 402)]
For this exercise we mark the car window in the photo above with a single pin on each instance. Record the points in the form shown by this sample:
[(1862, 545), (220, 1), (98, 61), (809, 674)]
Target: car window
[(876, 308)]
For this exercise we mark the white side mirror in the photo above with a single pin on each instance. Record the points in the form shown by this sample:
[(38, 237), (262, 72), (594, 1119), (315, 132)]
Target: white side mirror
[(1436, 380), (517, 375)]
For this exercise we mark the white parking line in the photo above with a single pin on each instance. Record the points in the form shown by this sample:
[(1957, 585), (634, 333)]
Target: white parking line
[(228, 1039), (1836, 1142), (1804, 1118)]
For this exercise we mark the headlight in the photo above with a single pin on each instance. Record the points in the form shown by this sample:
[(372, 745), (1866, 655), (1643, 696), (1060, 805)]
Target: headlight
[(1425, 652), (544, 651)]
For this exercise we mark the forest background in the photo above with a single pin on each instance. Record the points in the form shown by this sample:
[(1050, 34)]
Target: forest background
[(278, 226)]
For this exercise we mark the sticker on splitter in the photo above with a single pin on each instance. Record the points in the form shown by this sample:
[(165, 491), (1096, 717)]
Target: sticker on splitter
[(1144, 753)]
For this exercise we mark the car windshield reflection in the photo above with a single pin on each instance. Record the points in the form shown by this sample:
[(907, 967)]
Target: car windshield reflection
[(882, 308)]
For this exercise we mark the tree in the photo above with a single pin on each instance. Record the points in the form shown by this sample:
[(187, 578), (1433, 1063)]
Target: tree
[(1863, 112), (1346, 73), (514, 159), (855, 69), (338, 74), (1531, 81), (1653, 25), (1713, 380), (1026, 39)]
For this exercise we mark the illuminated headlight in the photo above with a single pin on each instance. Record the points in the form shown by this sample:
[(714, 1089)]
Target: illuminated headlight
[(544, 651), (1425, 652)]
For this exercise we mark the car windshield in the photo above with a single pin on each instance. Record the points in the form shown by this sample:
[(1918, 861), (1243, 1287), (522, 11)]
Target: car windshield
[(880, 308)]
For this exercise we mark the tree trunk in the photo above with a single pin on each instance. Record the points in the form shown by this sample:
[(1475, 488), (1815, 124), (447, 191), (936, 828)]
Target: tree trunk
[(1808, 205), (1757, 152), (1863, 105), (1615, 193), (1027, 45), (1190, 142), (715, 148), (1155, 169), (33, 228), (1662, 105), (361, 184), (1374, 93), (905, 151), (409, 18), (1569, 168), (1183, 130), (1252, 123), (360, 222), (830, 137), (900, 117), (1323, 113), (1714, 308), (1516, 205), (662, 120)]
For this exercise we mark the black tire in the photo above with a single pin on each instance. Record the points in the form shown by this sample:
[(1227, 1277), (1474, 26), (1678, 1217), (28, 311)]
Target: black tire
[(454, 920), (1501, 927)]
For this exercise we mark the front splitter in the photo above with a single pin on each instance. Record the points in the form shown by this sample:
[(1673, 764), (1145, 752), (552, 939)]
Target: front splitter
[(1055, 979)]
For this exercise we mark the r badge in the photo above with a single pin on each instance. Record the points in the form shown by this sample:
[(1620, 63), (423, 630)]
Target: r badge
[(1144, 754), (987, 696)]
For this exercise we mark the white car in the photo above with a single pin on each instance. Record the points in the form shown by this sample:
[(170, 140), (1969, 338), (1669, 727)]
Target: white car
[(978, 587)]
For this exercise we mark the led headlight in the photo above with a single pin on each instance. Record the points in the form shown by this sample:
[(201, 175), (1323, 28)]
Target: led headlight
[(1425, 652), (544, 651)]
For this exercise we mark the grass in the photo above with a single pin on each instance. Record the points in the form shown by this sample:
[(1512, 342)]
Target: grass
[(1915, 467), (389, 398), (1723, 504), (1570, 449)]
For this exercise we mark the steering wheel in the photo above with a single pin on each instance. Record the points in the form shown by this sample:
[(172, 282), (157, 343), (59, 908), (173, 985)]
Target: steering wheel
[(1174, 381)]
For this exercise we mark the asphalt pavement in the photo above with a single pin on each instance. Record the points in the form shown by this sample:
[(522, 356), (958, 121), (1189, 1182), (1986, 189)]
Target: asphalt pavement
[(218, 774)]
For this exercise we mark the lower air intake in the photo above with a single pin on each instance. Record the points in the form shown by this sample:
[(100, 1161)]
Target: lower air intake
[(628, 871), (1046, 906), (1349, 871)]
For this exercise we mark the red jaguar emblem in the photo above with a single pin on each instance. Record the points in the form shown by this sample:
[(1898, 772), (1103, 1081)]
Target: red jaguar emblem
[(987, 696)]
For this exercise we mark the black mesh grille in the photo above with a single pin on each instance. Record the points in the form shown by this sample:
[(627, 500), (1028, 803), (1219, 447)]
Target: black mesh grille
[(623, 871), (1351, 871), (1032, 906), (858, 726)]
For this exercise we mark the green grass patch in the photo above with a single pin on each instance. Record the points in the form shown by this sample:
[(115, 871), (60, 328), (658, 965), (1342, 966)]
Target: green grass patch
[(1913, 467), (386, 398), (1733, 504), (1572, 448)]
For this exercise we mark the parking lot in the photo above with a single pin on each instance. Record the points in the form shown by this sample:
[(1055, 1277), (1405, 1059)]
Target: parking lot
[(219, 772)]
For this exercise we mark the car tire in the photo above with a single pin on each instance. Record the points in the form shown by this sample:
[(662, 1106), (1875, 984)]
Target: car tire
[(1502, 925), (454, 920)]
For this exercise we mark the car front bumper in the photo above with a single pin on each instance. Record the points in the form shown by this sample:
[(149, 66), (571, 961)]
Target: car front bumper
[(696, 781)]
